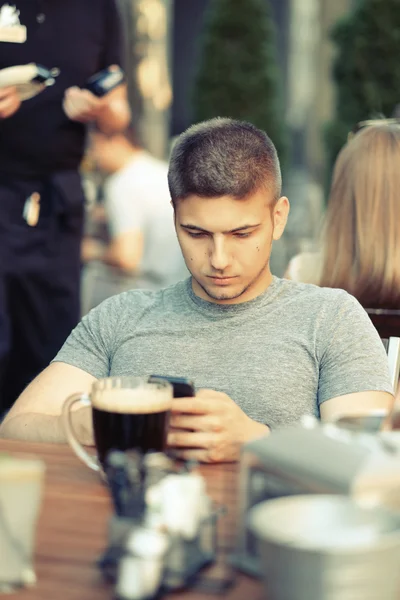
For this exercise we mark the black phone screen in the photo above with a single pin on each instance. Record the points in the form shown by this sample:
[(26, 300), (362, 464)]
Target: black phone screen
[(182, 387)]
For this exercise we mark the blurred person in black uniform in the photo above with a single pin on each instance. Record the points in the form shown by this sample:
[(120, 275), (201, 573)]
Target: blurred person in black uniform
[(41, 200)]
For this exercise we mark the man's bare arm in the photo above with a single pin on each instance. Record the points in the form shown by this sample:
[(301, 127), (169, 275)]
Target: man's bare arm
[(125, 251), (36, 415), (355, 405)]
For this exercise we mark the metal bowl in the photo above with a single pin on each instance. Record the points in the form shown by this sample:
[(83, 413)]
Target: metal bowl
[(327, 547)]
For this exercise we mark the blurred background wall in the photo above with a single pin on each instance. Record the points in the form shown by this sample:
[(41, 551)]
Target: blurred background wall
[(149, 31)]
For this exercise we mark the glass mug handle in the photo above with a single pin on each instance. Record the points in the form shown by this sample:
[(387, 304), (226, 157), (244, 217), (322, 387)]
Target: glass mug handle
[(76, 446)]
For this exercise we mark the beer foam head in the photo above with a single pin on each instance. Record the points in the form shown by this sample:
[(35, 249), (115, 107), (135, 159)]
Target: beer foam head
[(144, 399)]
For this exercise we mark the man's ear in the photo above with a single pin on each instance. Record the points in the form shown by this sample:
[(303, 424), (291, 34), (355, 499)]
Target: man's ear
[(280, 216)]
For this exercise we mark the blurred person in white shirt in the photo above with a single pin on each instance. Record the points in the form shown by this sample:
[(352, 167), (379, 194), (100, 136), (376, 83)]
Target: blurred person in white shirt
[(142, 251)]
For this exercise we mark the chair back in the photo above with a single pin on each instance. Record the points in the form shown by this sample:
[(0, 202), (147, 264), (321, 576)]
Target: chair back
[(392, 346), (386, 321)]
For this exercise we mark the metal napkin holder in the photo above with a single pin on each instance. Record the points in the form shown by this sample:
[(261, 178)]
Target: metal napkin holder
[(311, 458), (184, 560)]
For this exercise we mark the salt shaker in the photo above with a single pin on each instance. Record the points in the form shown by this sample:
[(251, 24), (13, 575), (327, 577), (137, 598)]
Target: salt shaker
[(141, 568)]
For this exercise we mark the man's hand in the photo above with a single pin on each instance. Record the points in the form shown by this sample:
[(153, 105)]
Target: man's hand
[(9, 102), (82, 105), (111, 113), (210, 428)]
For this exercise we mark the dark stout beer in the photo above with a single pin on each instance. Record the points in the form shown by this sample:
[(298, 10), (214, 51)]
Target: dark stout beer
[(127, 419)]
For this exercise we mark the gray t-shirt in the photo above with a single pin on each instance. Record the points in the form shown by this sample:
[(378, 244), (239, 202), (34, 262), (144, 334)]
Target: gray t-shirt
[(278, 356)]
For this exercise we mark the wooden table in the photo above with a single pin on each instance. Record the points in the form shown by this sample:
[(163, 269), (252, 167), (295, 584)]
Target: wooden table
[(71, 532)]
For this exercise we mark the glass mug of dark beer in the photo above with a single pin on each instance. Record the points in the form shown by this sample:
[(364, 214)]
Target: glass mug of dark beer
[(127, 412)]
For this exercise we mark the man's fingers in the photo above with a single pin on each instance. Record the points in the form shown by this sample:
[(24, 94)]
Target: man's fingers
[(6, 111), (71, 90), (7, 92), (80, 104), (190, 439), (70, 107), (7, 102), (90, 99), (204, 402), (195, 422), (8, 106), (192, 406)]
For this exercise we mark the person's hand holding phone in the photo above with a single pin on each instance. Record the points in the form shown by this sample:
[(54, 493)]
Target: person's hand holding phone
[(82, 106), (210, 427), (95, 102), (9, 102)]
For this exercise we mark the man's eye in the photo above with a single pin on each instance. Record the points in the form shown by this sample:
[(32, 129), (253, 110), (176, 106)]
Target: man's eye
[(243, 235), (196, 234)]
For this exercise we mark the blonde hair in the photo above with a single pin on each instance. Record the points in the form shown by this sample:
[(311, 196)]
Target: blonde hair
[(361, 235)]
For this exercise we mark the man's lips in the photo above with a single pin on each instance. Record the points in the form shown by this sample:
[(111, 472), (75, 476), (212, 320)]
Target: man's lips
[(221, 280)]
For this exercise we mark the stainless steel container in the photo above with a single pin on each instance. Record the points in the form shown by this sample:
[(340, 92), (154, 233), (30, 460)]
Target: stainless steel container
[(313, 458), (326, 547)]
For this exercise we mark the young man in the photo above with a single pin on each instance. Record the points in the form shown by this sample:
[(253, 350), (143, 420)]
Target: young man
[(262, 351), (41, 198)]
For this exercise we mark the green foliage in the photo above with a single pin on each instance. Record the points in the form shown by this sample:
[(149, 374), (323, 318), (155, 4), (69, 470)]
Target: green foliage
[(367, 67), (238, 75)]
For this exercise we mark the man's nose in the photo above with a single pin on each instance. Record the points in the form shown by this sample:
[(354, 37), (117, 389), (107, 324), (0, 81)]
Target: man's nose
[(220, 256)]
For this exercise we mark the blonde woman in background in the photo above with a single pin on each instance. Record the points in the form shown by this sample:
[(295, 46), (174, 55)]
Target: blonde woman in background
[(360, 247)]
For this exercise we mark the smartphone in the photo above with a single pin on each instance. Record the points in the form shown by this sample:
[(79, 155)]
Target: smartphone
[(104, 81), (182, 387)]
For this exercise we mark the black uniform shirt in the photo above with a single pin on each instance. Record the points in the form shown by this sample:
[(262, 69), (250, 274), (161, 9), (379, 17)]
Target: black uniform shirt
[(79, 37)]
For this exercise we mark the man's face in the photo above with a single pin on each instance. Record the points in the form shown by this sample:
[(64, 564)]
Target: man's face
[(226, 243)]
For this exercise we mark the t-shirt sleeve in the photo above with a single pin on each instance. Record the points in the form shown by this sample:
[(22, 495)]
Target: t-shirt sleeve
[(353, 357), (92, 343), (114, 42)]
